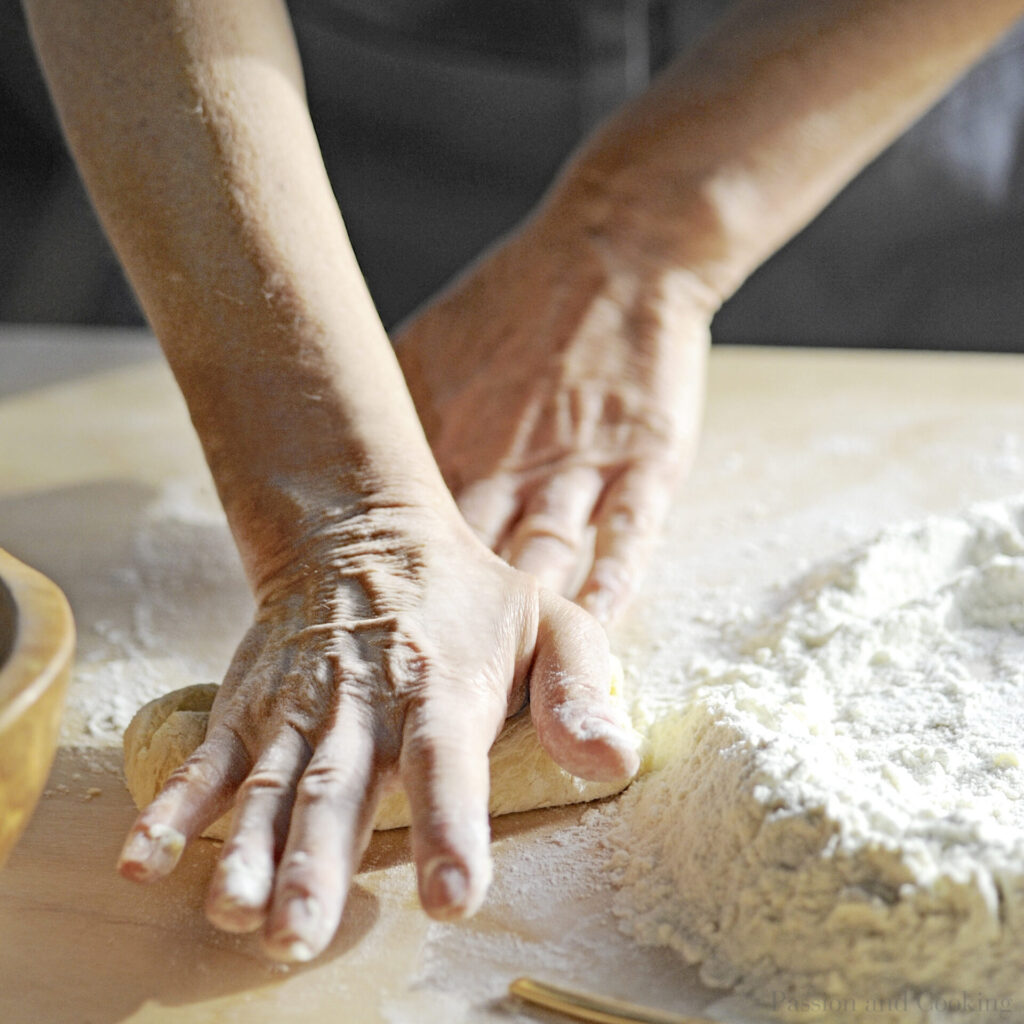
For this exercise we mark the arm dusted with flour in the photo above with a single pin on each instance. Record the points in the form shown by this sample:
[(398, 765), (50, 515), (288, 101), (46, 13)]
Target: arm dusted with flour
[(388, 641), (585, 333)]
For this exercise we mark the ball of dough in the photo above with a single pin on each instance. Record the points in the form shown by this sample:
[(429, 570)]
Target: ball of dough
[(162, 735), (167, 730)]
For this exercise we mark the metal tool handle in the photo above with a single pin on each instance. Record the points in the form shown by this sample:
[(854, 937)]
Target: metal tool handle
[(596, 1009)]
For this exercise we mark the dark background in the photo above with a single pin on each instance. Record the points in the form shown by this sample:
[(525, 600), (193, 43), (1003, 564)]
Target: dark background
[(443, 121)]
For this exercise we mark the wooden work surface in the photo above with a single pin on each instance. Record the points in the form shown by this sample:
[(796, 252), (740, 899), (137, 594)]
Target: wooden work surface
[(804, 453)]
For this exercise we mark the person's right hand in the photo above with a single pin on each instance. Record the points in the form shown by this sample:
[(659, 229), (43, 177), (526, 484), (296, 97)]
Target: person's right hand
[(389, 645)]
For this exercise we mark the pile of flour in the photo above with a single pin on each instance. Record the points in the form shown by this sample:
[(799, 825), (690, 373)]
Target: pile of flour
[(839, 816)]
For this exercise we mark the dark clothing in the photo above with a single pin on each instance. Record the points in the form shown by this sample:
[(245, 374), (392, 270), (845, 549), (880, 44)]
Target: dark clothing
[(443, 121)]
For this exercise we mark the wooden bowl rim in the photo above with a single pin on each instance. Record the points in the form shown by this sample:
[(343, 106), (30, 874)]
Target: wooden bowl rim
[(43, 641)]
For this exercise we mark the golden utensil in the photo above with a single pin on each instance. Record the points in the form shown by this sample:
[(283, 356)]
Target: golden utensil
[(593, 1008)]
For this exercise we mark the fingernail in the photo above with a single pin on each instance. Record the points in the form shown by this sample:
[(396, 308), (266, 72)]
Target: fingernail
[(300, 952), (238, 894), (241, 883), (446, 892), (151, 852), (295, 940), (626, 741), (594, 728)]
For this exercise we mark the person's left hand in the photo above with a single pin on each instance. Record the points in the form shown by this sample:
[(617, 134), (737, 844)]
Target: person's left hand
[(560, 386)]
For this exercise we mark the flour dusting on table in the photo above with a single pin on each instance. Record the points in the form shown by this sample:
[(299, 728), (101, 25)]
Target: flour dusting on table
[(182, 585)]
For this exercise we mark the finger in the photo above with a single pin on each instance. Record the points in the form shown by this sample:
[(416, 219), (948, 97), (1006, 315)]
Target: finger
[(196, 794), (242, 885), (627, 522), (578, 722), (489, 506), (330, 825), (446, 776), (549, 540)]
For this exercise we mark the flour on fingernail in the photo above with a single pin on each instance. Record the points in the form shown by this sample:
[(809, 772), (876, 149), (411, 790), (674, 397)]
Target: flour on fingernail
[(153, 851), (241, 883)]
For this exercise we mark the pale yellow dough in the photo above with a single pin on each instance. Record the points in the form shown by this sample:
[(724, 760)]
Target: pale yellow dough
[(167, 730)]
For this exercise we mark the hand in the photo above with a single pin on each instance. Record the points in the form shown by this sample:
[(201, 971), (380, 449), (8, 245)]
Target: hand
[(390, 647), (561, 387)]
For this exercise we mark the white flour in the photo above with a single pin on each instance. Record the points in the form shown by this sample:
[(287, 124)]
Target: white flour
[(839, 822), (175, 606)]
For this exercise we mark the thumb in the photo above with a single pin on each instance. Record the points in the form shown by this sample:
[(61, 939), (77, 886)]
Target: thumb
[(580, 724)]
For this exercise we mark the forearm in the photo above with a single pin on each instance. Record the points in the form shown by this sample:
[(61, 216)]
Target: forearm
[(746, 138), (189, 123)]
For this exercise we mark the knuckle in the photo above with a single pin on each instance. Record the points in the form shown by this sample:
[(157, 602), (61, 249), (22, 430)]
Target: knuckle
[(659, 427), (543, 528), (236, 726), (613, 574), (627, 518), (261, 784), (296, 874), (630, 512), (194, 773), (610, 580), (411, 655), (331, 784)]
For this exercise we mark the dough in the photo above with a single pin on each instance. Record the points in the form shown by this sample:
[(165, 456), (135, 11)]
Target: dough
[(838, 828), (165, 731)]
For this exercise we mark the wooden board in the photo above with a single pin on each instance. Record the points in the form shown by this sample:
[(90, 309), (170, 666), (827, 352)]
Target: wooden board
[(804, 452)]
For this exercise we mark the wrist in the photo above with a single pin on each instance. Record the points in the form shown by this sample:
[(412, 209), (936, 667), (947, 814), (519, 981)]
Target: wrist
[(290, 458), (301, 420), (648, 223), (286, 528)]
